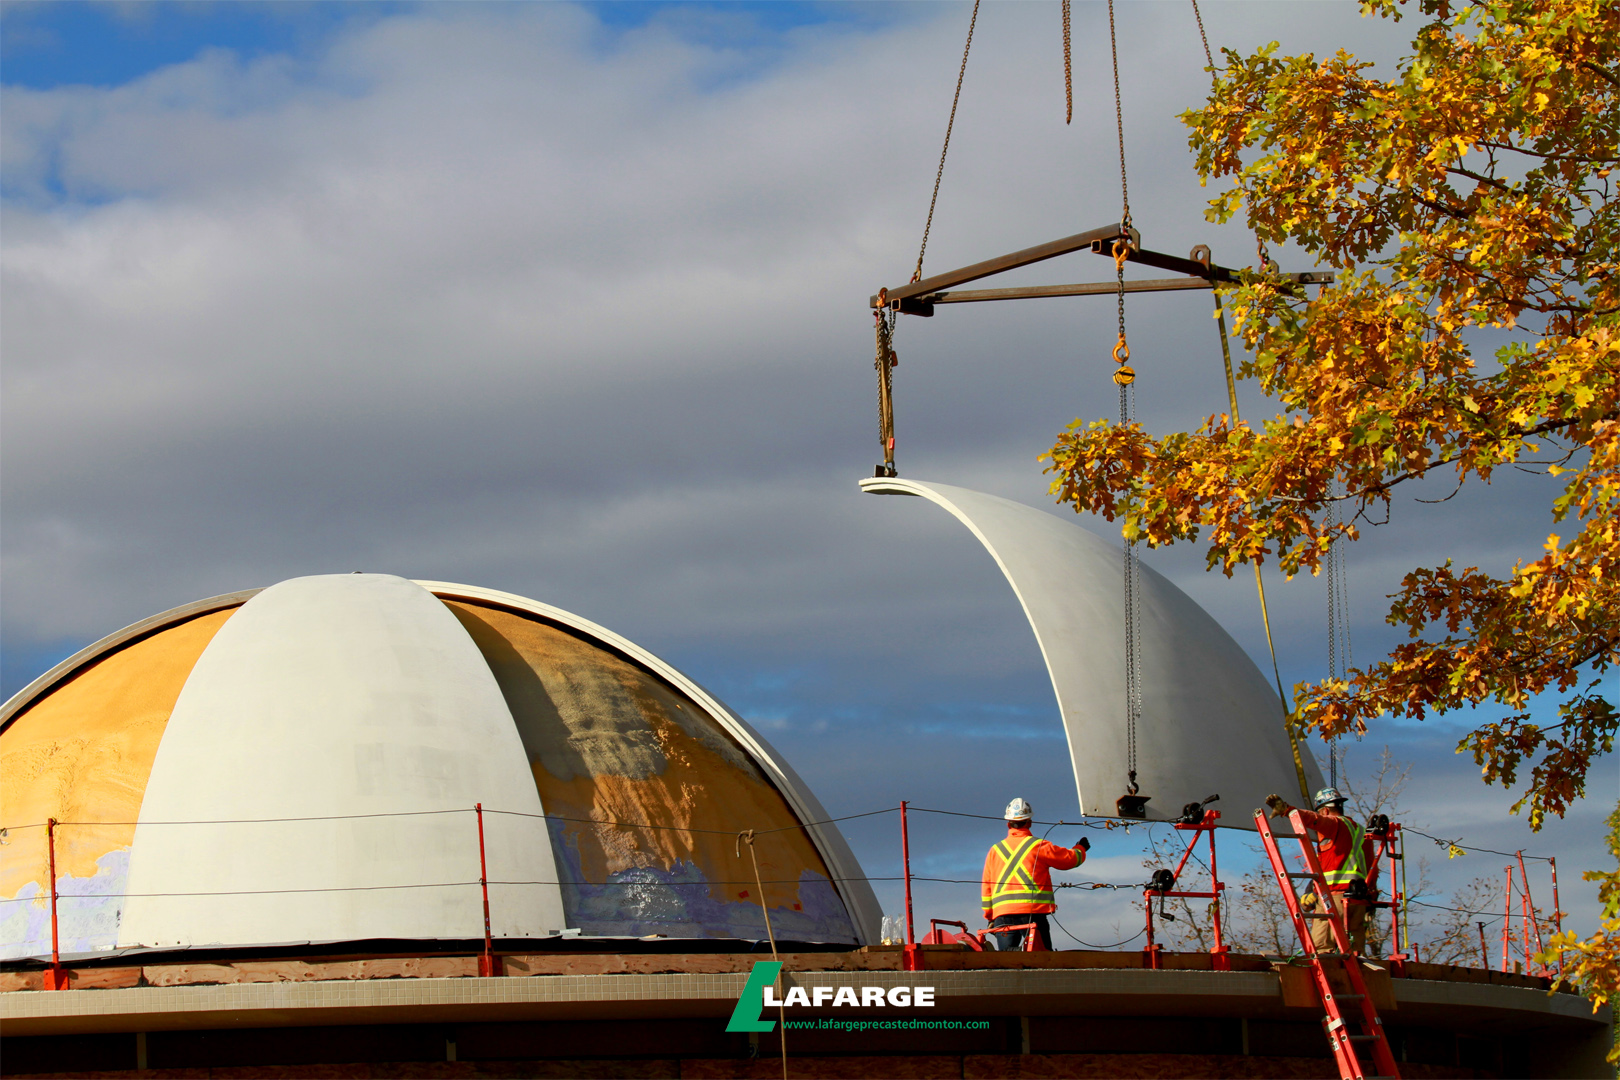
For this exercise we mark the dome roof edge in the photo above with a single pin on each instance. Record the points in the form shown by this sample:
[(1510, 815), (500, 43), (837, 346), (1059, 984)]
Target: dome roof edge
[(118, 639)]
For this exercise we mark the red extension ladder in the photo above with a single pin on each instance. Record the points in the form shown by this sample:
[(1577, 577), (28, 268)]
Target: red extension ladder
[(1338, 1021)]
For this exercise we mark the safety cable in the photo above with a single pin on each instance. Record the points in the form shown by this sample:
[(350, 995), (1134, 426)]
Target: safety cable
[(949, 124), (41, 897), (1088, 944), (1442, 842), (261, 821), (468, 810), (1101, 823), (682, 828), (1338, 615), (1105, 824), (1464, 911), (1259, 577), (1231, 394), (38, 897)]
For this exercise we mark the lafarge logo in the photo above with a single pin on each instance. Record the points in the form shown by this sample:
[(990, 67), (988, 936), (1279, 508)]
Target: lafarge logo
[(760, 993)]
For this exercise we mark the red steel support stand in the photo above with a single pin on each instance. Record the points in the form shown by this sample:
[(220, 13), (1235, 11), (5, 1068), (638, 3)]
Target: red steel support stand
[(1558, 916), (56, 977), (1220, 959), (911, 959), (1530, 920), (1507, 918), (1387, 843), (486, 961)]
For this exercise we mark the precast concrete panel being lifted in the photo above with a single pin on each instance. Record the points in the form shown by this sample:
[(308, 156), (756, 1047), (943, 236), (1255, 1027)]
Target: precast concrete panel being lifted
[(1211, 724)]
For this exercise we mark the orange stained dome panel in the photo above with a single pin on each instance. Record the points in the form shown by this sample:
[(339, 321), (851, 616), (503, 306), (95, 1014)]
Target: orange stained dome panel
[(610, 742), (83, 752)]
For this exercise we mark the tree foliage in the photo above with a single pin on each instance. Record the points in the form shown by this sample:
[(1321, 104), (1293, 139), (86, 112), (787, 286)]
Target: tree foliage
[(1594, 964), (1467, 208)]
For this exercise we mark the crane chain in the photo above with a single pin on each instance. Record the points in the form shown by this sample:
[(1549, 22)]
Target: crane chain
[(939, 173), (1068, 68)]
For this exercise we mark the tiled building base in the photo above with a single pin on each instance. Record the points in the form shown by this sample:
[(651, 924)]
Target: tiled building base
[(918, 1067)]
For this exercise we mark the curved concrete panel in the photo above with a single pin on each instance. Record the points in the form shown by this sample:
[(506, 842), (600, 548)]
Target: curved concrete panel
[(358, 701), (1211, 723)]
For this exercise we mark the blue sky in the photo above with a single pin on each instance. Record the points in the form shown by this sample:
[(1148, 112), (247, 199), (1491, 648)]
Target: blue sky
[(570, 301), (44, 45)]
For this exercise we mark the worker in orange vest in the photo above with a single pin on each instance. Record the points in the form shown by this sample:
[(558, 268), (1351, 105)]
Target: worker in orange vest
[(1018, 878), (1346, 852)]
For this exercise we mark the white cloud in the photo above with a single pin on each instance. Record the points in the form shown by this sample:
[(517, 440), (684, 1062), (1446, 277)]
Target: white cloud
[(487, 293)]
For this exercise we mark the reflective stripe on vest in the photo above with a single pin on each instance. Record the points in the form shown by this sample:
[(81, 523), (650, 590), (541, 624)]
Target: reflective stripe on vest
[(1016, 884), (1355, 864)]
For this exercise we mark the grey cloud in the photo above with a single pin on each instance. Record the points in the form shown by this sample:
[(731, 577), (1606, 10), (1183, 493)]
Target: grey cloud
[(488, 294)]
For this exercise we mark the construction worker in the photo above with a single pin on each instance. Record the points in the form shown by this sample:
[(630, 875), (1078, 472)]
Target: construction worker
[(1346, 853), (1018, 879)]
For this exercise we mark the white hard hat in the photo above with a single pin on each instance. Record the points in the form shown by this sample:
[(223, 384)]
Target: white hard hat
[(1019, 810), (1327, 795)]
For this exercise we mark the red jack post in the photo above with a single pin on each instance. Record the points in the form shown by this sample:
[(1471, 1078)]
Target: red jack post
[(911, 959), (1527, 908), (486, 961), (56, 976), (1391, 849), (1558, 916), (1220, 958)]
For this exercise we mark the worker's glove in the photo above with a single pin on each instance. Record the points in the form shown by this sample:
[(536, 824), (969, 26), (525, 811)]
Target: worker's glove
[(1308, 902), (1277, 806), (1084, 844)]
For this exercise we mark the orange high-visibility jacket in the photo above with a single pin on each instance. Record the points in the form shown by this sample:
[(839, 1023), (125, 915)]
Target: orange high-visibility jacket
[(1345, 849), (1017, 874)]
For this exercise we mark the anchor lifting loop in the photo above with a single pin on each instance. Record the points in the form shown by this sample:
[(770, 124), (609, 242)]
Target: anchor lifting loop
[(885, 363)]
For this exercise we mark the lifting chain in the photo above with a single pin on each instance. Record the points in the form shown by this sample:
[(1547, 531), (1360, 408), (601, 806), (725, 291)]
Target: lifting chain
[(1119, 125), (1068, 69), (939, 174), (1208, 56), (1123, 377)]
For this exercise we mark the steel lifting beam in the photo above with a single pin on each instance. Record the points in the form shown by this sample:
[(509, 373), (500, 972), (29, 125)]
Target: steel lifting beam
[(919, 297), (905, 298)]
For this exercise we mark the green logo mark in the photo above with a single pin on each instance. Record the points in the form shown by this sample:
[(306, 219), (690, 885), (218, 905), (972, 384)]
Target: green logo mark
[(746, 1016)]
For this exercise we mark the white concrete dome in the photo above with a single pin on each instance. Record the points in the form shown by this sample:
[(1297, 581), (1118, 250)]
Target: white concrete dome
[(300, 764)]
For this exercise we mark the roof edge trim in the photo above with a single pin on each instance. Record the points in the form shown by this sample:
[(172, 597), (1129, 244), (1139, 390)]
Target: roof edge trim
[(19, 702)]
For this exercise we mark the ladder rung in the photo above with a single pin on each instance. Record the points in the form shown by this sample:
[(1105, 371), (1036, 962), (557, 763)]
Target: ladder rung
[(1347, 997), (1315, 915), (1362, 1038), (1305, 874)]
